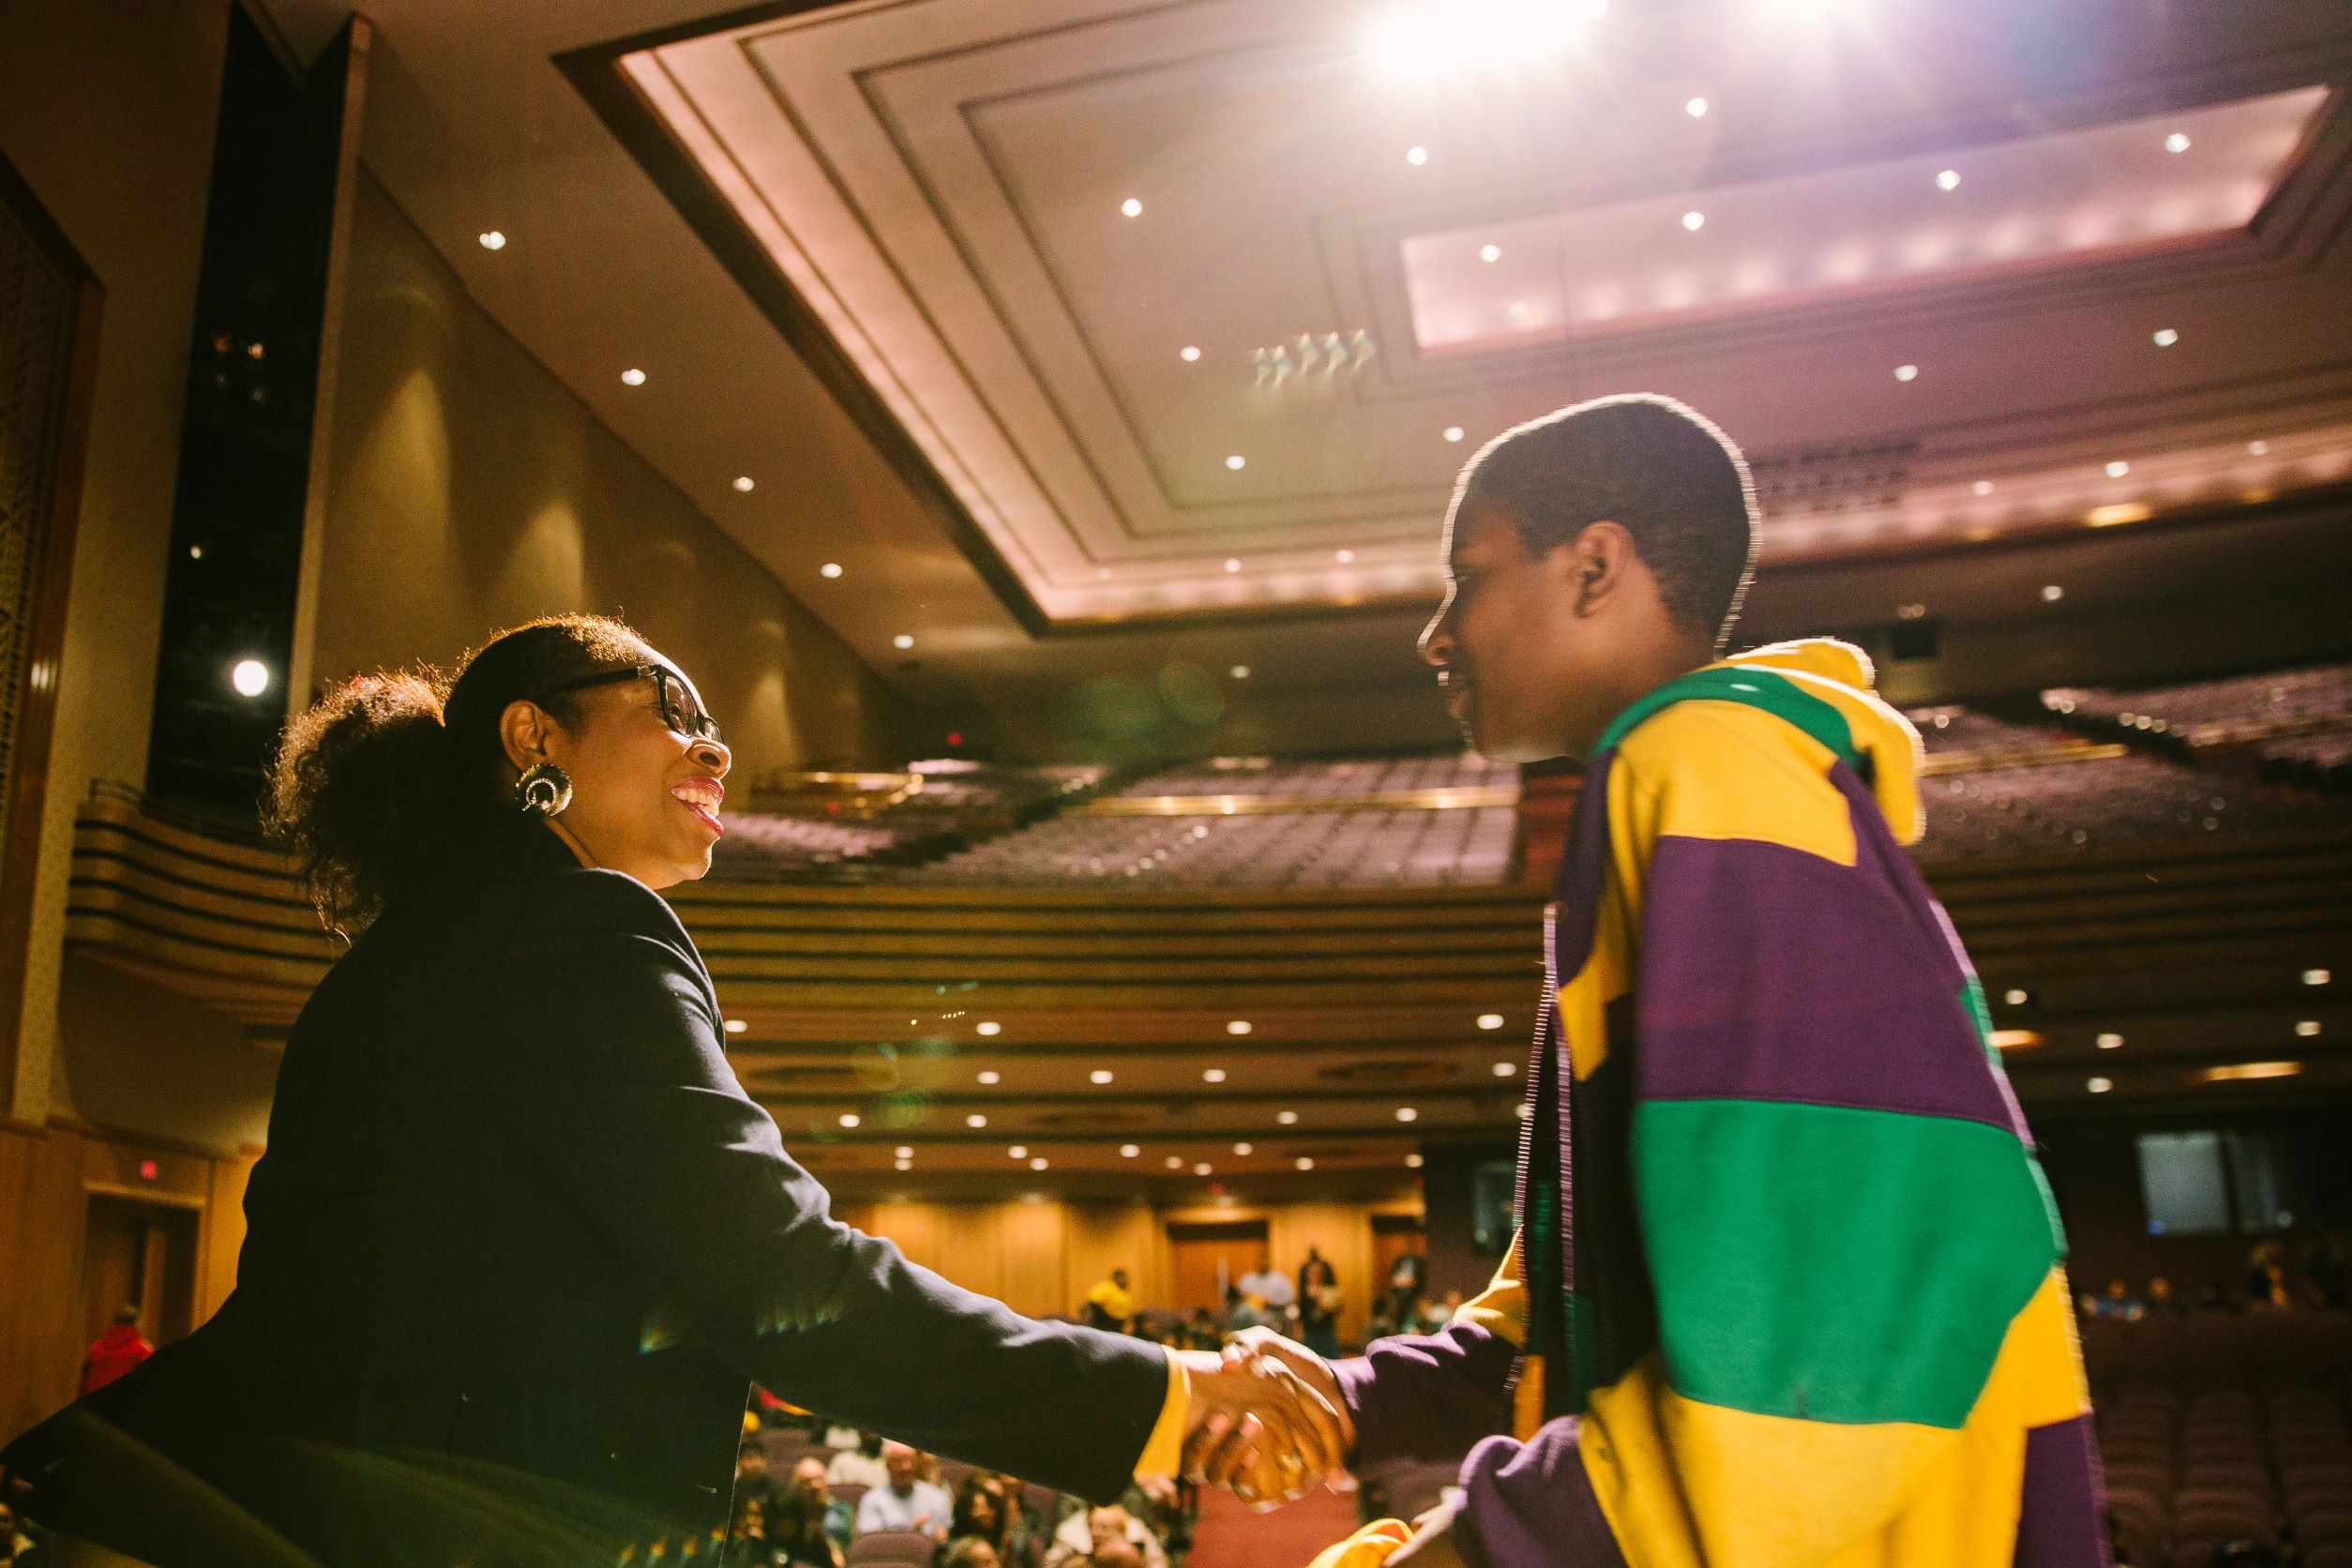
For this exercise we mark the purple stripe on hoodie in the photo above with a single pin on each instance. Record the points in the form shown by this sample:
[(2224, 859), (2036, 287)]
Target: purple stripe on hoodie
[(1531, 1504), (2059, 1518), (1771, 974), (1427, 1396)]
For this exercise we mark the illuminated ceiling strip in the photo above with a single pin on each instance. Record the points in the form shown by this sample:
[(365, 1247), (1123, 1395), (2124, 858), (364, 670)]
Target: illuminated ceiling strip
[(1259, 806)]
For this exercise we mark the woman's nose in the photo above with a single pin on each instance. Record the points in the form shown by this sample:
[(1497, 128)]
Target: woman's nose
[(715, 756)]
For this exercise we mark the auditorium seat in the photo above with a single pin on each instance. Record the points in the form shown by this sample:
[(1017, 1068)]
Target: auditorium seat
[(892, 1548)]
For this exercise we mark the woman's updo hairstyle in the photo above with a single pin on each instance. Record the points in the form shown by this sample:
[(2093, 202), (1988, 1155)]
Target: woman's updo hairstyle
[(377, 781)]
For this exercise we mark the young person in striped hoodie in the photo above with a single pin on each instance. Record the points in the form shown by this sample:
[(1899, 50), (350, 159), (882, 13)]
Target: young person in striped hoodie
[(1789, 1292)]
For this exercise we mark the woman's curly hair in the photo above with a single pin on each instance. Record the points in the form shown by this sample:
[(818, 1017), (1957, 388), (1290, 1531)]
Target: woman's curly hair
[(374, 782)]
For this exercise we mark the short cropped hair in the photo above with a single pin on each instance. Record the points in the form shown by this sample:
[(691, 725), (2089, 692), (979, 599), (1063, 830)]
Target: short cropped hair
[(1656, 467)]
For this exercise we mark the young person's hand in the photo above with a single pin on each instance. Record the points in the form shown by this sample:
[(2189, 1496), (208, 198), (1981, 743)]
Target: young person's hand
[(1312, 1369), (1257, 1426)]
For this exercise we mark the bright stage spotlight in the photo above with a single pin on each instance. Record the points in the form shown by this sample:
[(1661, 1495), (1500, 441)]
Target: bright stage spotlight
[(1429, 40)]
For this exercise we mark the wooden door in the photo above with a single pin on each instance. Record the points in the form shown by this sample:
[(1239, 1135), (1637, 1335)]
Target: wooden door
[(1394, 1236), (1204, 1259), (141, 1255)]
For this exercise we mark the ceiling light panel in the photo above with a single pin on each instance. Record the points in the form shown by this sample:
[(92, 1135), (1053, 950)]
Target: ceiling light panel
[(2080, 194)]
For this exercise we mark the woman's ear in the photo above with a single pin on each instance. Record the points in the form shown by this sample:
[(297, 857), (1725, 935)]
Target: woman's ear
[(523, 733)]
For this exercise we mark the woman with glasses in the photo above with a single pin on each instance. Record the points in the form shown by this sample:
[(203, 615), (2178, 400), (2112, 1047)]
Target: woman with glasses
[(520, 1242)]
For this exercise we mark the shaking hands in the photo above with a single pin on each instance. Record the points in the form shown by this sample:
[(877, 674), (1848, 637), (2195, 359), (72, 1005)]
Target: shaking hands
[(1267, 1418)]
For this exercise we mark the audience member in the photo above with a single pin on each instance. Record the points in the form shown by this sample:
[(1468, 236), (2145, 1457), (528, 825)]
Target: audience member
[(1082, 1537), (116, 1352), (814, 1493), (987, 1508), (968, 1551), (1109, 1307), (2161, 1303), (1319, 1304), (1442, 1313), (1116, 1553), (1273, 1289), (15, 1545), (2119, 1303), (2267, 1285), (904, 1501), (759, 1507), (1246, 1309), (860, 1465), (811, 1526), (1408, 1282), (1200, 1331)]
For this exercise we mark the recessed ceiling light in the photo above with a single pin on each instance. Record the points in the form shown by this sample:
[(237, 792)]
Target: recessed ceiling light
[(1913, 611), (830, 570), (1129, 1151), (1304, 1162), (1202, 1169), (1694, 221), (2165, 336), (743, 483), (902, 641), (493, 240), (976, 1120), (2175, 142), (1490, 1020), (1453, 432), (1239, 1026), (1407, 1113), (1907, 372), (2117, 469), (1239, 671), (988, 1026), (1490, 252), (1695, 108), (1244, 1147), (2110, 1041), (989, 1075), (2052, 593), (2316, 977), (2014, 997), (1018, 1151), (1521, 1110), (2100, 1085), (2307, 1029), (903, 1165), (250, 677), (1416, 156), (848, 1118), (1040, 1163), (1232, 564), (632, 377), (1237, 462), (1175, 1162), (737, 1026), (1212, 1075), (2014, 1039), (1132, 207), (1288, 1118), (1504, 1069), (1412, 1162), (1983, 487), (2258, 449), (2246, 1070), (1100, 1075), (1948, 179), (1344, 557), (1189, 353), (904, 1152)]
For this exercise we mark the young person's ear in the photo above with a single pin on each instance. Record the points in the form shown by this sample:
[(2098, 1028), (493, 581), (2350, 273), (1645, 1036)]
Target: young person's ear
[(1595, 562)]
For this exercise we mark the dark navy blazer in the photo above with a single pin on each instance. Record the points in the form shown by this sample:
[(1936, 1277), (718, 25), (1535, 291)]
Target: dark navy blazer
[(518, 1248)]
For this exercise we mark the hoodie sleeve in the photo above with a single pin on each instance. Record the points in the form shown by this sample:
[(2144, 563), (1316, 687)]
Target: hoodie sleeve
[(1431, 1395), (1841, 1215)]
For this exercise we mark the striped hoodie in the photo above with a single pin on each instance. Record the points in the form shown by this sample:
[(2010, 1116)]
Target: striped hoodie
[(1788, 1287)]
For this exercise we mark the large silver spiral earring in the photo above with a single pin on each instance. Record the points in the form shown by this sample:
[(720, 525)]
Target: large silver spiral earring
[(543, 791)]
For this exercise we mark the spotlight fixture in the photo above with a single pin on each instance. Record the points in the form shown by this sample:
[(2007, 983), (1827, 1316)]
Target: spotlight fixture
[(632, 377), (1453, 432), (1490, 1020), (830, 570), (2165, 336), (1696, 109), (902, 642), (1237, 462), (1129, 1151), (1416, 156), (745, 484), (1490, 253), (250, 676), (1100, 1075), (1288, 1118), (1304, 1162), (1131, 207), (1907, 372), (493, 240), (1212, 1075), (2100, 1085), (1189, 353), (1694, 221)]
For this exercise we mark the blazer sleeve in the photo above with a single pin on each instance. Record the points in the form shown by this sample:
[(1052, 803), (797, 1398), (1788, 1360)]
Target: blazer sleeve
[(610, 1072)]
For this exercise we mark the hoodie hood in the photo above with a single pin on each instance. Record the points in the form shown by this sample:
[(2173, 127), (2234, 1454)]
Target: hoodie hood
[(1841, 674)]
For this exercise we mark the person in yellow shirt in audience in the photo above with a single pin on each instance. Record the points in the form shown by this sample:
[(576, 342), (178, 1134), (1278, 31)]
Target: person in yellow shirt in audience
[(1111, 1305)]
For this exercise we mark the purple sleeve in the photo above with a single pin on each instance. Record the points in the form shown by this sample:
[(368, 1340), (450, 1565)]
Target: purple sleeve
[(1427, 1396), (1531, 1504)]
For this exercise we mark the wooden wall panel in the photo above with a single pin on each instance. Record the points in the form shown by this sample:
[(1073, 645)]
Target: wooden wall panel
[(1034, 1252), (1107, 1236)]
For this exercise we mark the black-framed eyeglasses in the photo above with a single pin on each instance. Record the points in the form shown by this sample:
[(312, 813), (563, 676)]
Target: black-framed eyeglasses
[(673, 699)]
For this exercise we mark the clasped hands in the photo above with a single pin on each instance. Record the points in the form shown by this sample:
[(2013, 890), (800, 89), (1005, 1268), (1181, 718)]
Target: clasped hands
[(1267, 1418)]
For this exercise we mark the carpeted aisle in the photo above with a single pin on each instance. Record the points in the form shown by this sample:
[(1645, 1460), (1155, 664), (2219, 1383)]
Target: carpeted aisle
[(1229, 1535)]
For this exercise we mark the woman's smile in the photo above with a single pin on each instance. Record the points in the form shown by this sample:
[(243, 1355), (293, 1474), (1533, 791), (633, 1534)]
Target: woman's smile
[(703, 797)]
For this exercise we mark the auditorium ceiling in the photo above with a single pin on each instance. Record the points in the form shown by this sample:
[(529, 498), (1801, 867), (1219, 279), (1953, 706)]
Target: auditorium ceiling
[(1068, 332)]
